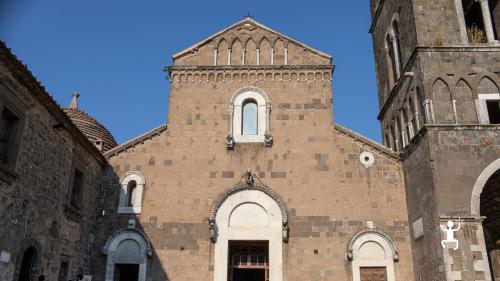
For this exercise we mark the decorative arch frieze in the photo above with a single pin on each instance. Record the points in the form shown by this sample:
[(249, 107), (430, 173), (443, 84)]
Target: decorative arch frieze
[(367, 241), (248, 183), (371, 235)]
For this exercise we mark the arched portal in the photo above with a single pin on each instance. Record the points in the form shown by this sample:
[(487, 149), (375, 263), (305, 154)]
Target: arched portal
[(486, 203), (28, 264), (372, 256), (248, 225), (128, 251)]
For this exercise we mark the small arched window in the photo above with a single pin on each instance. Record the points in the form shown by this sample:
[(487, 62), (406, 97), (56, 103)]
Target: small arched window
[(249, 118), (132, 185), (391, 61), (397, 50), (413, 110)]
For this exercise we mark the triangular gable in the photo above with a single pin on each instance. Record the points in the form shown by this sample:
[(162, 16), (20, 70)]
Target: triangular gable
[(253, 22)]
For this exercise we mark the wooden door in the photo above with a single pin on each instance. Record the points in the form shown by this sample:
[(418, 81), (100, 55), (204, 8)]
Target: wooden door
[(373, 273)]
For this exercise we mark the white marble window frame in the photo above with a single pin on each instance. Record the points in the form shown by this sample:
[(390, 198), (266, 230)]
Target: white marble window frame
[(136, 207), (236, 115)]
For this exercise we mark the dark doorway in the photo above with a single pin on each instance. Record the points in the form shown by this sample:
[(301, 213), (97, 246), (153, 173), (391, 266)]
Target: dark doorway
[(248, 261), (63, 271), (240, 274), (126, 272), (490, 209), (28, 265)]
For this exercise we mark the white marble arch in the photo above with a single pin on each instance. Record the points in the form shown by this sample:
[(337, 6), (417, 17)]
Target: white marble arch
[(485, 175), (127, 246), (372, 248), (251, 215), (235, 114), (140, 181)]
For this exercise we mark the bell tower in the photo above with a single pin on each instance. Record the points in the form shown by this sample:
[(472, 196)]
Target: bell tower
[(438, 66)]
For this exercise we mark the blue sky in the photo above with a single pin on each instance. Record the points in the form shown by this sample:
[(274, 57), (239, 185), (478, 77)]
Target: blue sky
[(112, 52)]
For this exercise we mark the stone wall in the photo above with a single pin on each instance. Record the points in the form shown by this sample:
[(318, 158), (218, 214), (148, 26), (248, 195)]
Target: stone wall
[(34, 199)]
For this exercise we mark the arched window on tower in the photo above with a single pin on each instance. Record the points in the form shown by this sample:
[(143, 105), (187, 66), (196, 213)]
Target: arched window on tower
[(249, 118), (394, 139), (421, 108), (391, 61), (397, 50), (488, 103), (413, 120)]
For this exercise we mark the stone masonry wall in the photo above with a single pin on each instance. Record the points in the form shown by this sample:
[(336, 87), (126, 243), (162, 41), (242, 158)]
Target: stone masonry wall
[(33, 207), (315, 167)]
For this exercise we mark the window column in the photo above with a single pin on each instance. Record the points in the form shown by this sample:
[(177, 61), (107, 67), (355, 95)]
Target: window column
[(488, 25)]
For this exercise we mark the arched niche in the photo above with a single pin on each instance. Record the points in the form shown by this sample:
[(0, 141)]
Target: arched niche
[(130, 247), (248, 212), (372, 249)]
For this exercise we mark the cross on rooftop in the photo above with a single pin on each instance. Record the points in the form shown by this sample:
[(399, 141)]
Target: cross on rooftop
[(248, 15)]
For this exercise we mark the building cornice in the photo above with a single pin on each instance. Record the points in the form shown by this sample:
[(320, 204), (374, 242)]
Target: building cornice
[(408, 150), (135, 141), (376, 16), (201, 68), (250, 73), (366, 141)]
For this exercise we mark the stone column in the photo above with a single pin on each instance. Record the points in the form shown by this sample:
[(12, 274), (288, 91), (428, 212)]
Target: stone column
[(396, 56), (268, 117), (396, 135), (403, 130), (455, 114), (230, 118), (488, 25)]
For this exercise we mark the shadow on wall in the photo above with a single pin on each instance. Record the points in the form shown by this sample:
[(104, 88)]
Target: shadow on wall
[(122, 248)]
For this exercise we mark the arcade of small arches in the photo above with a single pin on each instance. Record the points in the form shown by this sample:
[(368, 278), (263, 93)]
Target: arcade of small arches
[(290, 75), (470, 101), (246, 51)]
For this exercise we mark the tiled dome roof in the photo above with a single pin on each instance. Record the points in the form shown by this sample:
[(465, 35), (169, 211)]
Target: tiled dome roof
[(91, 128)]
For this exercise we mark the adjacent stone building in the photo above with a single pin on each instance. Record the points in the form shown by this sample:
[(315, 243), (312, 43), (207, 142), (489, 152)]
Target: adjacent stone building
[(438, 66), (51, 180)]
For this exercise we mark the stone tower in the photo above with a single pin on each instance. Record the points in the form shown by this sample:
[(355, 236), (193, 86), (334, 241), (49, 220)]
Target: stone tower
[(438, 66)]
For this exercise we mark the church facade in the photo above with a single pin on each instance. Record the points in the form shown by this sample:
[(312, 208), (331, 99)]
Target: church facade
[(252, 176), (252, 179)]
